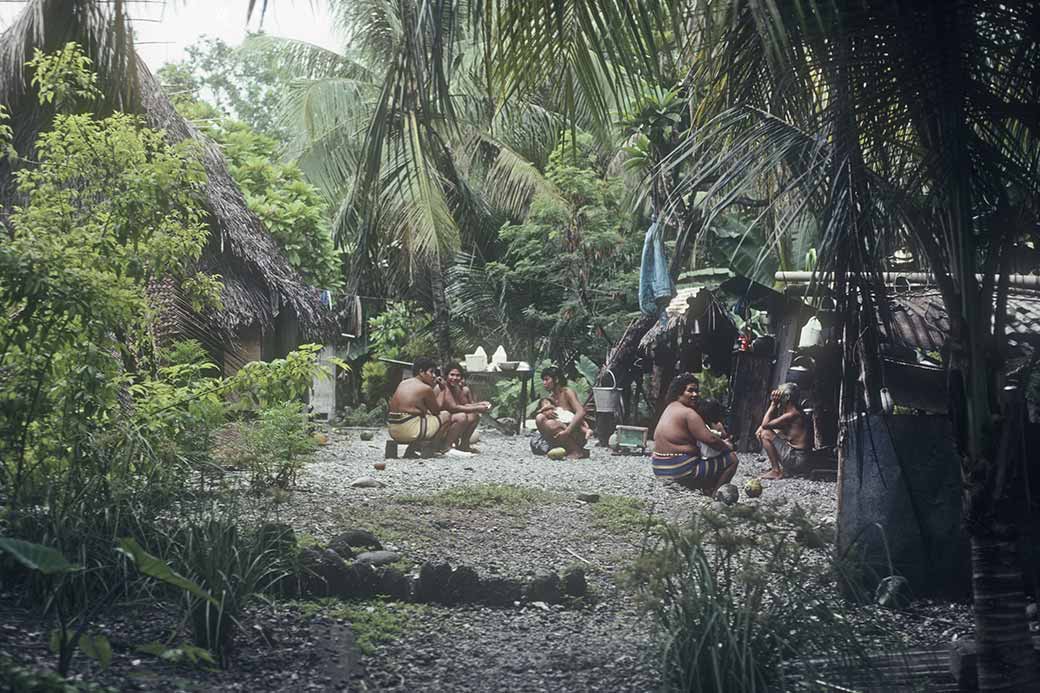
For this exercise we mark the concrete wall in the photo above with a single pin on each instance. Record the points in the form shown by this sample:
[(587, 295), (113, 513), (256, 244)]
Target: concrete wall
[(891, 466)]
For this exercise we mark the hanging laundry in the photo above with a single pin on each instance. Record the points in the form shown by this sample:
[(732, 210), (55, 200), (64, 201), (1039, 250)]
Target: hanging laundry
[(654, 281)]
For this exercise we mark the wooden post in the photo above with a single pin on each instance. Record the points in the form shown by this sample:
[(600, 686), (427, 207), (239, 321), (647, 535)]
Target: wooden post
[(750, 398)]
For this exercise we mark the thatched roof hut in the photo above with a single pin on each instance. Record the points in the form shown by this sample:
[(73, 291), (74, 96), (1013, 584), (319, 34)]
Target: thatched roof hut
[(259, 283)]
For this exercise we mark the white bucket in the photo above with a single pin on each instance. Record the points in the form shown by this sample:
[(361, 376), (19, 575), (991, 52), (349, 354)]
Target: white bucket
[(607, 399)]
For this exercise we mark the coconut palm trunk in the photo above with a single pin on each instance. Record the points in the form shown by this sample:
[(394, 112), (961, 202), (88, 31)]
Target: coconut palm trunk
[(441, 313)]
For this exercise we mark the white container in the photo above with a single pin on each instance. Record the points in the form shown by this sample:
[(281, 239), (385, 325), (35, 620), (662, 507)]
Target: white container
[(498, 357), (476, 362), (810, 334)]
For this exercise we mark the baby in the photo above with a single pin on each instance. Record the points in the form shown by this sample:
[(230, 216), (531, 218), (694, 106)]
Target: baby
[(564, 416), (712, 413)]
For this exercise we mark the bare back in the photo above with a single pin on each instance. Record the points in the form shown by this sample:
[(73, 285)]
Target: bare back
[(679, 430), (413, 396)]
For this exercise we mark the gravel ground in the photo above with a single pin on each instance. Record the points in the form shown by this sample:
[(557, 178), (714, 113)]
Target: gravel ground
[(604, 643)]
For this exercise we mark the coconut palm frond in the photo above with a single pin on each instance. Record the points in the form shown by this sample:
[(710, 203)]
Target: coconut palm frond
[(513, 181), (306, 60)]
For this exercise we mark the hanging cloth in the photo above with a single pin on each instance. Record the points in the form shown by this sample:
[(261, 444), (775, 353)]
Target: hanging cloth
[(654, 281)]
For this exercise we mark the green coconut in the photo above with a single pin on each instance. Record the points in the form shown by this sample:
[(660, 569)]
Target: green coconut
[(556, 454), (753, 488), (367, 435)]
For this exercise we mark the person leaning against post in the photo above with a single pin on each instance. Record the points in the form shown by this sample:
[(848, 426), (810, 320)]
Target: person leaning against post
[(677, 443), (416, 418)]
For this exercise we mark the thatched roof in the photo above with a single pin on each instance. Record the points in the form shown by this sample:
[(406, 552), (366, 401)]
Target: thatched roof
[(693, 310), (258, 280)]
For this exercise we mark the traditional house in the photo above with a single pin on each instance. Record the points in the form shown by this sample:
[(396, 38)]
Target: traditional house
[(267, 308), (698, 331)]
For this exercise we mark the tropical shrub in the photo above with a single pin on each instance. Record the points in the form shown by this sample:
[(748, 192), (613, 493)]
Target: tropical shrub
[(276, 444), (740, 593)]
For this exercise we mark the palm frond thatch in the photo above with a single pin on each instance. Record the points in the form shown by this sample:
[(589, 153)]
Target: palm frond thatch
[(258, 280)]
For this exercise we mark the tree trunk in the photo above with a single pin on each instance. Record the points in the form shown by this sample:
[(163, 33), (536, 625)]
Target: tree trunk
[(991, 510), (1006, 661), (441, 316)]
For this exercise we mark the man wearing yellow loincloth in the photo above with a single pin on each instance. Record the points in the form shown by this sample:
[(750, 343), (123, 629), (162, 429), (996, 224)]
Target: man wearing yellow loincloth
[(415, 415)]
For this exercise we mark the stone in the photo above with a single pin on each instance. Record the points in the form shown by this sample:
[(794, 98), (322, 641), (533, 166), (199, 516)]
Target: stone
[(367, 580), (727, 494), (463, 586), (377, 557), (589, 497), (359, 538), (325, 574), (543, 587), (379, 466), (367, 435), (964, 663), (496, 591), (893, 592), (432, 585), (367, 482), (573, 583), (508, 423), (394, 584), (343, 548)]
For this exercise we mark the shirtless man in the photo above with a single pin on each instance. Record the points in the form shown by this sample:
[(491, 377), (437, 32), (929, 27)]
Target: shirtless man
[(676, 452), (784, 434), (455, 398), (569, 436), (416, 417)]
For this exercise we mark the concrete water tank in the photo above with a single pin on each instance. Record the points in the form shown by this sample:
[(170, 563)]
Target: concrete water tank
[(901, 485)]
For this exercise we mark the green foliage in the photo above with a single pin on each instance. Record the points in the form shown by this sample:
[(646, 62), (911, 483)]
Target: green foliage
[(247, 86), (621, 514), (376, 622), (42, 559), (276, 444), (739, 592), (714, 386), (292, 210), (502, 496), (361, 416), (561, 275), (263, 384), (64, 77), (15, 677), (402, 331)]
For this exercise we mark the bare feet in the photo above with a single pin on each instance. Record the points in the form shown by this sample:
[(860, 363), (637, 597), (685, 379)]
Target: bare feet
[(468, 448), (773, 474)]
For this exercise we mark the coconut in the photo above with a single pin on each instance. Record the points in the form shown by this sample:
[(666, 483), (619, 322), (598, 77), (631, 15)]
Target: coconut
[(753, 488), (367, 435), (556, 454), (728, 494)]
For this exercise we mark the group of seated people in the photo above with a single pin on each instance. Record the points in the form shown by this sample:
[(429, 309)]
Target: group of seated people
[(692, 448), (435, 414)]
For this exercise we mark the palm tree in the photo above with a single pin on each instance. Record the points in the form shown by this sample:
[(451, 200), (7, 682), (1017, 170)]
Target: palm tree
[(897, 123), (891, 122), (401, 134)]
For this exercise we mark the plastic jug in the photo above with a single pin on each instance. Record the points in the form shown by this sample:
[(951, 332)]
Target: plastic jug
[(810, 334), (498, 357)]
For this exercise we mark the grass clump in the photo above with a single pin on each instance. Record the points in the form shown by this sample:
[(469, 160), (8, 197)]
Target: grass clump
[(621, 514), (373, 621), (740, 593), (502, 496)]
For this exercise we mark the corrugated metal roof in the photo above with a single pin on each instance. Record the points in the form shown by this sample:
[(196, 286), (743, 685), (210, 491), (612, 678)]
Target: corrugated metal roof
[(919, 321)]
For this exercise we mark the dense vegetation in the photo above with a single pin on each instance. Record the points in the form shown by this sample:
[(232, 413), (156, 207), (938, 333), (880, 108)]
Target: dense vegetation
[(462, 167)]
